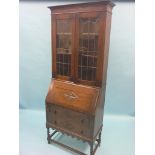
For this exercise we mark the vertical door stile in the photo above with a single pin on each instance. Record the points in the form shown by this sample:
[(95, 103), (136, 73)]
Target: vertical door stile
[(53, 35), (76, 46), (101, 44), (73, 47)]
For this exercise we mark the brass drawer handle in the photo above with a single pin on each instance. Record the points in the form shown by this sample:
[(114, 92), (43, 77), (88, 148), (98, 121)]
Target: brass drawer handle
[(70, 95), (82, 121)]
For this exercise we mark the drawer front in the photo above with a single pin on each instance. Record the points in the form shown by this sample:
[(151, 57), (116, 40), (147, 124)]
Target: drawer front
[(69, 120)]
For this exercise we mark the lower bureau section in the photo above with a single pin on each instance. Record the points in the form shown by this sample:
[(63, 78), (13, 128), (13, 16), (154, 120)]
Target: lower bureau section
[(69, 121)]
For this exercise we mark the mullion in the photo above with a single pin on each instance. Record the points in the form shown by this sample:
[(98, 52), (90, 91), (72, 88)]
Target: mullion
[(63, 47), (67, 64), (93, 58), (81, 57), (88, 47), (59, 70)]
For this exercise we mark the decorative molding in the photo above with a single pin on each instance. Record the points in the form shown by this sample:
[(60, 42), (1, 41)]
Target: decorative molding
[(73, 1)]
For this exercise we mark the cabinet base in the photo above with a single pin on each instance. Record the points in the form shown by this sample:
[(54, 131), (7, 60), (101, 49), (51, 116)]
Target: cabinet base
[(93, 149)]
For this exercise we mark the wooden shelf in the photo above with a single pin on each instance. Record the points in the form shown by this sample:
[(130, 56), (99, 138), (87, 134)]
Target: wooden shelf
[(84, 49), (87, 67), (63, 63), (65, 33), (93, 34), (69, 53), (86, 55), (63, 51)]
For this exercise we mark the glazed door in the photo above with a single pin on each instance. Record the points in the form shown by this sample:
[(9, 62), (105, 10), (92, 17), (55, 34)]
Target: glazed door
[(87, 47), (63, 44)]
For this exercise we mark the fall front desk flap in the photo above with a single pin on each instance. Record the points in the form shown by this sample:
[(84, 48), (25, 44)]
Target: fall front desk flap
[(70, 95)]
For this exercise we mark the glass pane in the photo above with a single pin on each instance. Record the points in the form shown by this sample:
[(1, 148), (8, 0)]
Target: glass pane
[(88, 48), (63, 45)]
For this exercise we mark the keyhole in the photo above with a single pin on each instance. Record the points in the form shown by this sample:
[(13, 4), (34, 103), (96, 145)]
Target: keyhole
[(82, 121)]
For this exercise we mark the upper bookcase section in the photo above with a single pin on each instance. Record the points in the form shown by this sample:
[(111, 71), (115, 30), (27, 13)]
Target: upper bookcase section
[(83, 7)]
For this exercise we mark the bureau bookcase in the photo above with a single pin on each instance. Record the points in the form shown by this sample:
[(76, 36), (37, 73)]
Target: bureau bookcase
[(80, 44)]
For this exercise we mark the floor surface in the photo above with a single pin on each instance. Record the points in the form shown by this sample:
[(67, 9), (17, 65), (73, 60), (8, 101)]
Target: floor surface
[(117, 136)]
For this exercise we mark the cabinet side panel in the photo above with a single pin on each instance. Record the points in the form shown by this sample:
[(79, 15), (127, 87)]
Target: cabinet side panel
[(103, 75), (98, 121), (105, 28), (106, 47)]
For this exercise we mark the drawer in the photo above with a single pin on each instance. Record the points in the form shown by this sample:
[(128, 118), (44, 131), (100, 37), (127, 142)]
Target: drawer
[(67, 119)]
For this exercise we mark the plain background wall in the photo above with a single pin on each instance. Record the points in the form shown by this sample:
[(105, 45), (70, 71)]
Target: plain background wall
[(35, 57)]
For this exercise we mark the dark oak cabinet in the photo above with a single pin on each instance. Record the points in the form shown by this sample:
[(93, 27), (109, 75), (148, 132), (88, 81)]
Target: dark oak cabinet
[(80, 43)]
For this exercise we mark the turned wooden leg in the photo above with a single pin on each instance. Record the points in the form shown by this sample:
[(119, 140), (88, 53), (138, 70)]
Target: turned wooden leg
[(48, 135), (91, 149), (100, 138)]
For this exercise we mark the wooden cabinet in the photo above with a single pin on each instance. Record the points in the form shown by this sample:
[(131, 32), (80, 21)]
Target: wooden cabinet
[(80, 44)]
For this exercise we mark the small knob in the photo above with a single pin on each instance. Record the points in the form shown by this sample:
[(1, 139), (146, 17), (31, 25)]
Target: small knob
[(55, 112), (81, 131), (55, 122)]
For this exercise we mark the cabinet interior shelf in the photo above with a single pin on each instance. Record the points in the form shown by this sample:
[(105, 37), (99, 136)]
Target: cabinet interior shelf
[(85, 49), (64, 33), (63, 63), (68, 33), (63, 51), (92, 56), (93, 34), (87, 66), (69, 53)]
